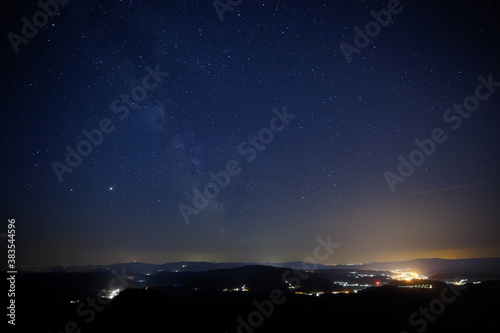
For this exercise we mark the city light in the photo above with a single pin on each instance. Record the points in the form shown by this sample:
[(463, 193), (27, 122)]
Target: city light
[(111, 293), (406, 275)]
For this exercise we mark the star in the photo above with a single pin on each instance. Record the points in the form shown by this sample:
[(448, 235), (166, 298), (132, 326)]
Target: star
[(111, 188)]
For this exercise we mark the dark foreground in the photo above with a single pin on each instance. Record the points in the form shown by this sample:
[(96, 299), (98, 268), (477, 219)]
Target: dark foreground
[(471, 308)]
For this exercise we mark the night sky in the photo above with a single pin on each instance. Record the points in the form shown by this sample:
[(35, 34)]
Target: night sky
[(310, 130)]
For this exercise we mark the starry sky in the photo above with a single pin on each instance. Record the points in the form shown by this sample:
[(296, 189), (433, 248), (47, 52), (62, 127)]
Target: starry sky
[(216, 78)]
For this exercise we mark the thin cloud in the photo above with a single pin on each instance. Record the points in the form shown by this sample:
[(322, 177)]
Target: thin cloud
[(450, 188)]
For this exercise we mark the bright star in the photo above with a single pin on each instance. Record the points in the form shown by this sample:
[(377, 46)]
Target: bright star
[(111, 188)]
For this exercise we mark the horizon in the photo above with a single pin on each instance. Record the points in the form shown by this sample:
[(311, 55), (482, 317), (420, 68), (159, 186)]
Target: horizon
[(256, 263)]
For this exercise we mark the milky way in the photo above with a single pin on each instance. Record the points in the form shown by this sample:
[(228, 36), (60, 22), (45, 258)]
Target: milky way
[(154, 98)]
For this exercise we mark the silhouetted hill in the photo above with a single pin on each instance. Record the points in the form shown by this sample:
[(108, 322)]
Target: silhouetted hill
[(52, 287), (196, 302), (135, 268), (382, 309), (429, 267), (254, 277)]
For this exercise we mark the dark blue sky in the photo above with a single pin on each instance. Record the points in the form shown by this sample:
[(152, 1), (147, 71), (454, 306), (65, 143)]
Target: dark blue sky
[(322, 174)]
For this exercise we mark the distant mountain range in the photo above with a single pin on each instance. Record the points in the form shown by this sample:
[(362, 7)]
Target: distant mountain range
[(58, 285), (428, 267), (437, 266)]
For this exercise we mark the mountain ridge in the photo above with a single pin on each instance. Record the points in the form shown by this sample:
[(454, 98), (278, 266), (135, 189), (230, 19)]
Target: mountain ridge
[(425, 266)]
